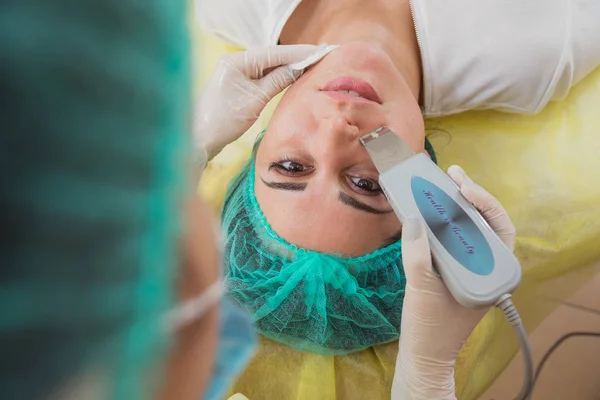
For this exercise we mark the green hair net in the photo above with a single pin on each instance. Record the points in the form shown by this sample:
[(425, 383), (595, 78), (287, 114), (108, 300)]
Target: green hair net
[(323, 303)]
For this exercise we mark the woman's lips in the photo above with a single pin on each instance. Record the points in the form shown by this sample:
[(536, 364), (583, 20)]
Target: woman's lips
[(351, 89)]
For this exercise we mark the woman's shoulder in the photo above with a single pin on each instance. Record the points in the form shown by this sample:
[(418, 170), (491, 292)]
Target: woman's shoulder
[(487, 55), (245, 23)]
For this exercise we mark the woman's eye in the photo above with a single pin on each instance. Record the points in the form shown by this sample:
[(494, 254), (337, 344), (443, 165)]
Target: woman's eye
[(290, 167), (366, 185), (293, 166)]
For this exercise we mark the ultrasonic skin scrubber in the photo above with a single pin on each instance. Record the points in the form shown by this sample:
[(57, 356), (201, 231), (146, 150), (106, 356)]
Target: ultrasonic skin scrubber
[(475, 265), (478, 269)]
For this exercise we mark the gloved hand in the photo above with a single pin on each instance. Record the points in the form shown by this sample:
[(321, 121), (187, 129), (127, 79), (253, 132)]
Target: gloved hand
[(434, 326), (238, 90)]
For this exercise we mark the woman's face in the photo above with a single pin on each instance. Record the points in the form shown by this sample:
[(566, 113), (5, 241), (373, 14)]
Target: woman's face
[(315, 182)]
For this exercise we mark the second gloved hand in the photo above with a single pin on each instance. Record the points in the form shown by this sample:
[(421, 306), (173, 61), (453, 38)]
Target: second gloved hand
[(238, 90), (434, 325)]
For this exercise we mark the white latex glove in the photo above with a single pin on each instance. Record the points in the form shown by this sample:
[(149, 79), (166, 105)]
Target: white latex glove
[(434, 326), (238, 90)]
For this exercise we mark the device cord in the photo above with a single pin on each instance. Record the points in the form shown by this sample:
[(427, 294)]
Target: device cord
[(506, 305), (555, 346)]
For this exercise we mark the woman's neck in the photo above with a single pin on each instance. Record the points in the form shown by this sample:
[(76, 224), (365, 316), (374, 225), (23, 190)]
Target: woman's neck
[(385, 24)]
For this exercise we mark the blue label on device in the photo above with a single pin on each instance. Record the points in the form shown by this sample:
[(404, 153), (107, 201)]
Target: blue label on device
[(453, 227)]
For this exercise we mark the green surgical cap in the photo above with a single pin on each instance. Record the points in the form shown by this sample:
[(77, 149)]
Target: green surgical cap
[(323, 303), (95, 99)]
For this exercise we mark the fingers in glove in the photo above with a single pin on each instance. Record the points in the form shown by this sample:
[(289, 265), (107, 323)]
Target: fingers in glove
[(416, 256), (489, 207), (254, 62), (279, 79)]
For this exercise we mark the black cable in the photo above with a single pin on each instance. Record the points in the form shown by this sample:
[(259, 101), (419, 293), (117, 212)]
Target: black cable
[(551, 350)]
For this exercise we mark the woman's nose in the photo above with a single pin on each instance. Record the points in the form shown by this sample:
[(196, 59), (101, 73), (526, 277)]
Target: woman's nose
[(339, 128)]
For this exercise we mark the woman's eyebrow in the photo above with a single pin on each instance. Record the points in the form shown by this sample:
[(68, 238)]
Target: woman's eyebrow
[(352, 202), (342, 197), (291, 186)]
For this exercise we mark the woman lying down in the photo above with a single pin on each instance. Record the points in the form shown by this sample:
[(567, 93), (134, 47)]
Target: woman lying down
[(313, 249)]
